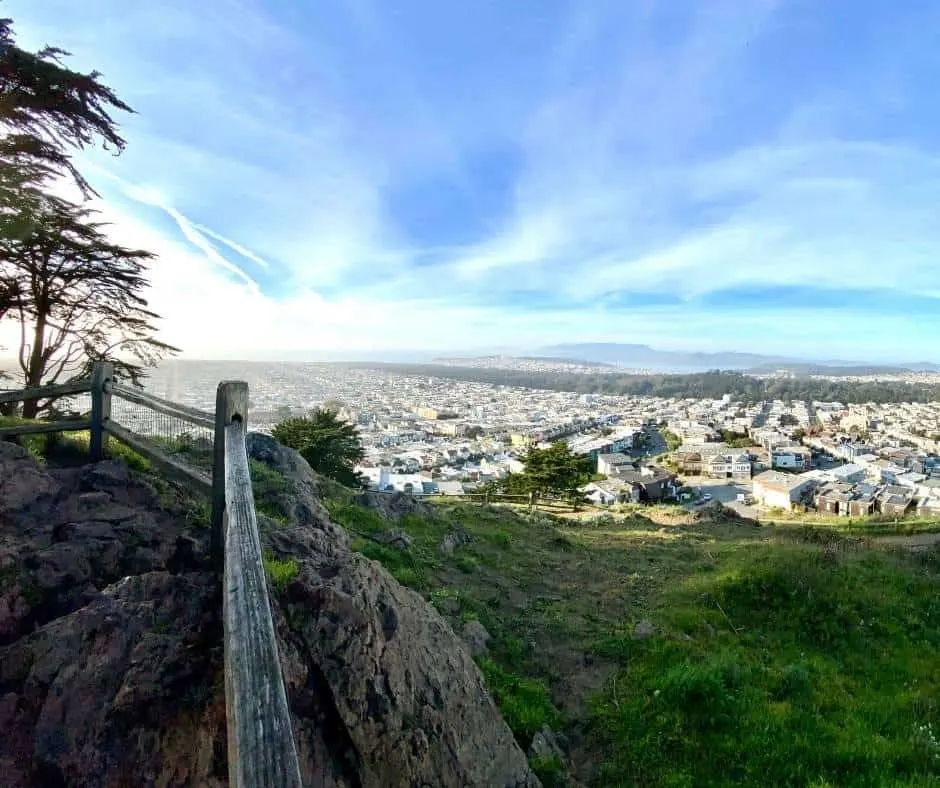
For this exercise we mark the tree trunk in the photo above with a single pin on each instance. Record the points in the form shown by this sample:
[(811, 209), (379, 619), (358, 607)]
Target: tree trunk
[(34, 367)]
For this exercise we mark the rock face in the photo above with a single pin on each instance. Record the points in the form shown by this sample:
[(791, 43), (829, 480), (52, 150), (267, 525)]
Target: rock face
[(476, 637), (110, 646), (392, 506), (643, 630), (453, 539)]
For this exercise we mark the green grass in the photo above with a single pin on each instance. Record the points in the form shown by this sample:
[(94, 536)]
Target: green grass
[(524, 702), (71, 448), (267, 485), (281, 572), (787, 655), (819, 673)]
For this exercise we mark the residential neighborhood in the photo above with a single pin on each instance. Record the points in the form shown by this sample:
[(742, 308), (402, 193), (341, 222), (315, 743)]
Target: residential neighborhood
[(434, 436)]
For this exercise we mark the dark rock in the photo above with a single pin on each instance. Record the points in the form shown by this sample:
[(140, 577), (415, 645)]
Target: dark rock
[(111, 650), (545, 744), (396, 538), (643, 629), (299, 500), (22, 482), (476, 637), (392, 506), (456, 537), (408, 699)]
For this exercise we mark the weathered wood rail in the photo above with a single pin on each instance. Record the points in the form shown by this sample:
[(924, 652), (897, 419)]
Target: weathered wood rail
[(262, 752)]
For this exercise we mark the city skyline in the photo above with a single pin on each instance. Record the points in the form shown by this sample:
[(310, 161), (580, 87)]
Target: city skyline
[(349, 179)]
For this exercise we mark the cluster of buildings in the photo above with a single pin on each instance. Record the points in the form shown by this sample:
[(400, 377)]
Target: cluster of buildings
[(850, 491), (431, 435), (631, 481)]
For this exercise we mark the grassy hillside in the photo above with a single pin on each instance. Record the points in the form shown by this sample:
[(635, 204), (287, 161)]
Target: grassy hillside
[(781, 656), (787, 655)]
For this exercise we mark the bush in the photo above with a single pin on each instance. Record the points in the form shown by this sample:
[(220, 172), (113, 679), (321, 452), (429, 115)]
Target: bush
[(281, 572)]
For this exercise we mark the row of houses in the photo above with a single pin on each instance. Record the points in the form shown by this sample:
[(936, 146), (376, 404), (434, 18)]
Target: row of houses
[(715, 460), (632, 484), (846, 491)]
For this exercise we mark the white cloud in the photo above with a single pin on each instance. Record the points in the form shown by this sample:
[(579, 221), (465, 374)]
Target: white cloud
[(262, 144)]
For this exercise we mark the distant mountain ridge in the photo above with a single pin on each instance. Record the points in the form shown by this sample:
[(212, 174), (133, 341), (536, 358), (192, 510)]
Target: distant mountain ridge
[(645, 356)]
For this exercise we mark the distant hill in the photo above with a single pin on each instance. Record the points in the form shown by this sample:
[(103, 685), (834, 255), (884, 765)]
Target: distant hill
[(644, 356)]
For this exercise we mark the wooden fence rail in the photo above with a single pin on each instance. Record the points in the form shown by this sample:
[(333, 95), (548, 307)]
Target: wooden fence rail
[(261, 748)]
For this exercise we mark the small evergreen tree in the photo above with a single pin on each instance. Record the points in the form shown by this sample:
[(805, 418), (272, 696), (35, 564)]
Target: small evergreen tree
[(332, 447), (552, 470)]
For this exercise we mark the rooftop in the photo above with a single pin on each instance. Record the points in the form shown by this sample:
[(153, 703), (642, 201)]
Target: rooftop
[(780, 481)]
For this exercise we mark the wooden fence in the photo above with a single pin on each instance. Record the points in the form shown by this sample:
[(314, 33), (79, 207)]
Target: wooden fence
[(261, 748)]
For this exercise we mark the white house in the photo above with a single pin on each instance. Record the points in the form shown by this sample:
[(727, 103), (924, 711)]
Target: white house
[(608, 464), (848, 474), (730, 464), (773, 488), (598, 494), (790, 458)]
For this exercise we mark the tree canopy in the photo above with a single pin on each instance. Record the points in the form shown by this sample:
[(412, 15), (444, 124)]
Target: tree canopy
[(77, 299), (46, 109), (332, 447), (551, 470), (76, 295)]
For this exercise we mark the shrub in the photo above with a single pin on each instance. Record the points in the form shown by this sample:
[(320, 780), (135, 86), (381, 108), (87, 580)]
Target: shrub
[(281, 572)]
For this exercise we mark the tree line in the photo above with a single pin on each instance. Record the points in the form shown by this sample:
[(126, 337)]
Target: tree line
[(76, 295), (700, 385)]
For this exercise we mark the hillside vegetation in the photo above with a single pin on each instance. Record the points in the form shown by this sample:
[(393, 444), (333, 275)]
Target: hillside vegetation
[(787, 656), (671, 648)]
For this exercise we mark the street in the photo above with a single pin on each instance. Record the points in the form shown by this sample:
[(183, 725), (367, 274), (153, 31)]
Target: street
[(722, 491)]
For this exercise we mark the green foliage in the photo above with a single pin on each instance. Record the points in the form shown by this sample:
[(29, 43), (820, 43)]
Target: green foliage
[(406, 567), (354, 518), (524, 702), (736, 440), (788, 420), (281, 572), (672, 440), (332, 447), (552, 470), (71, 448), (267, 486), (197, 512), (550, 771), (47, 109), (776, 665), (77, 294)]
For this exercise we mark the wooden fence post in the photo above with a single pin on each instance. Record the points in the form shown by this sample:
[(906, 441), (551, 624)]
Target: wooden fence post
[(102, 373), (231, 403)]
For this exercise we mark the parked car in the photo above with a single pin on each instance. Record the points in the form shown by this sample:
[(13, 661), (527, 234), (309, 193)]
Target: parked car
[(707, 497)]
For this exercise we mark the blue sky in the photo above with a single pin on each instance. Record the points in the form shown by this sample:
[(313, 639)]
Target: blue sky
[(363, 175)]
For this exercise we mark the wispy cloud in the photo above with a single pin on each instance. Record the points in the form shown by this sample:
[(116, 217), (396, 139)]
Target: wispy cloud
[(681, 173)]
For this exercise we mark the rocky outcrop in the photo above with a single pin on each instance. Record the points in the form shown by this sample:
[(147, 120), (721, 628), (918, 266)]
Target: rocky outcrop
[(110, 646), (392, 505), (476, 637)]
